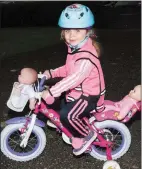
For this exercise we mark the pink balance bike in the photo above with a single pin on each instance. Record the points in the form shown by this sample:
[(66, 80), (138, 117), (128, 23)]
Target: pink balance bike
[(23, 138)]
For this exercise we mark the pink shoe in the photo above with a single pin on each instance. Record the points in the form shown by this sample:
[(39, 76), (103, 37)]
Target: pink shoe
[(81, 145), (77, 142)]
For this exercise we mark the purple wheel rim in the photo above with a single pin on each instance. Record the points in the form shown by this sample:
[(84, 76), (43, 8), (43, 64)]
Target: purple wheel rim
[(113, 152), (18, 145)]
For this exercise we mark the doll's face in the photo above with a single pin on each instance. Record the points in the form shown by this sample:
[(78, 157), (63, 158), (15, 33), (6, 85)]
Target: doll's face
[(23, 77), (136, 93), (27, 76)]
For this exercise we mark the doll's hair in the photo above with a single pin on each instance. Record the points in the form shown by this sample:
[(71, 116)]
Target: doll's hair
[(92, 35)]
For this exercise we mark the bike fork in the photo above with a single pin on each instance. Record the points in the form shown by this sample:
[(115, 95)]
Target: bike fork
[(28, 132)]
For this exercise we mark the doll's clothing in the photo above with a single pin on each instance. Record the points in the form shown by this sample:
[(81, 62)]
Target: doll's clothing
[(19, 97), (123, 106)]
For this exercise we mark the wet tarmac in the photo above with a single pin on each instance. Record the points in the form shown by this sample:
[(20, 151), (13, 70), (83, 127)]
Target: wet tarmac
[(121, 62)]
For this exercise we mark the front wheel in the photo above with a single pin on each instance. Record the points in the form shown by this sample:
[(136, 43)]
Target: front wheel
[(11, 139), (116, 132)]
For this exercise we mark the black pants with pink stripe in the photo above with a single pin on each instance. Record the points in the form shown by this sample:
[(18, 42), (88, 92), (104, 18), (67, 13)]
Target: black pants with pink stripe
[(72, 113)]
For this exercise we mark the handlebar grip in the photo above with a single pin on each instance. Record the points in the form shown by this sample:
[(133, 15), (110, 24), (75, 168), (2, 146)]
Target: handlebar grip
[(41, 84)]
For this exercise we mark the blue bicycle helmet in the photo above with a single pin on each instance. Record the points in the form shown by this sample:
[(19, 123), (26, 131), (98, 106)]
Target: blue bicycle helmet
[(76, 16)]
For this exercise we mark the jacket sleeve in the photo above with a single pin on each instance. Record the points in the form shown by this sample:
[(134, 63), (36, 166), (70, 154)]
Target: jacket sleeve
[(59, 72), (81, 70)]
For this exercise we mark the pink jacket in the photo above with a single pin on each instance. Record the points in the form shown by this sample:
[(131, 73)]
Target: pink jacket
[(81, 75)]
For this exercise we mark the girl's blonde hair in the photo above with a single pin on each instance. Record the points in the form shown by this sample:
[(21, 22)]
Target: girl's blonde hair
[(92, 35)]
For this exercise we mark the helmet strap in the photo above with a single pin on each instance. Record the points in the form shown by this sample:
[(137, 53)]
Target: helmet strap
[(73, 48)]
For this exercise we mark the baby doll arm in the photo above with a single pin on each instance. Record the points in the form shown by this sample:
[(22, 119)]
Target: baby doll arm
[(124, 111), (32, 100), (125, 105)]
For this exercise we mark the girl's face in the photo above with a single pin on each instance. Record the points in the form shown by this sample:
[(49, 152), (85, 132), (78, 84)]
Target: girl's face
[(74, 36)]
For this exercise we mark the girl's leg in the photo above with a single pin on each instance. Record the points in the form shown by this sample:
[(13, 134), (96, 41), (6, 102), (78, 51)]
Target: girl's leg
[(71, 117), (66, 108)]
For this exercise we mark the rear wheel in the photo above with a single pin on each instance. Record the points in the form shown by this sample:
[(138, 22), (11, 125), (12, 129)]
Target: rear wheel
[(116, 132)]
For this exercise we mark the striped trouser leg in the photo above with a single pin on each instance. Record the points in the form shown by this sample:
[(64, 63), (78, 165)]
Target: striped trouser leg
[(74, 117)]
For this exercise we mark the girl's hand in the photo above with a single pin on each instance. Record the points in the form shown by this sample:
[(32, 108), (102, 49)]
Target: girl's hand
[(47, 97), (47, 74), (45, 94)]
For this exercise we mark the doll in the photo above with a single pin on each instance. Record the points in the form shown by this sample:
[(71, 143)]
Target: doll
[(123, 106), (23, 91)]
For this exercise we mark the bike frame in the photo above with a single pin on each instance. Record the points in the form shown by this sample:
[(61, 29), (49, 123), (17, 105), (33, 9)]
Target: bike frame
[(55, 119), (41, 107)]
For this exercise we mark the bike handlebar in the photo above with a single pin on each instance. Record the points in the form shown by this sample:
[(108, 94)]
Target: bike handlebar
[(42, 84)]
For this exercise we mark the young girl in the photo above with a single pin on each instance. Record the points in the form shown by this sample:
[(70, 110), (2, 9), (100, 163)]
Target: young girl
[(83, 79)]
